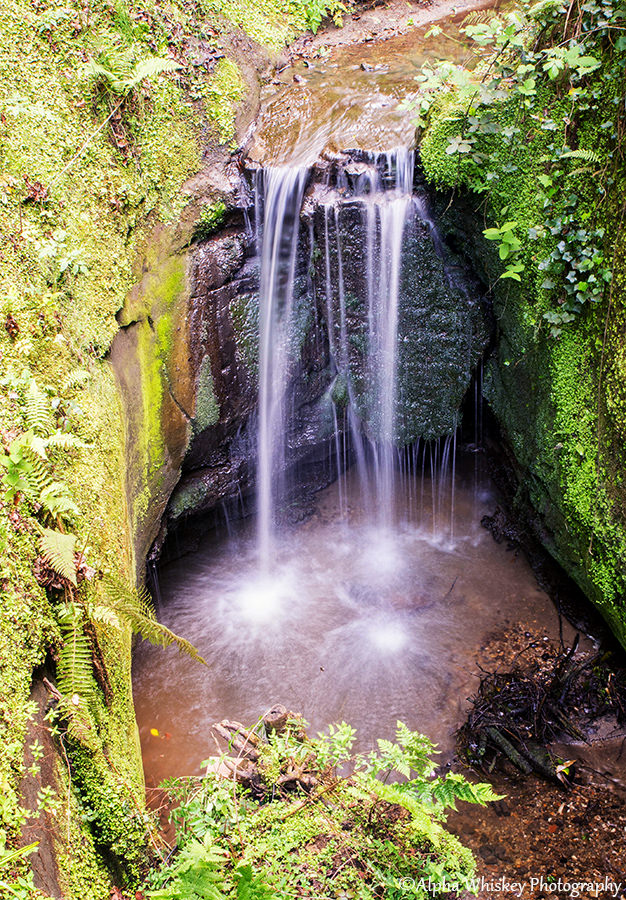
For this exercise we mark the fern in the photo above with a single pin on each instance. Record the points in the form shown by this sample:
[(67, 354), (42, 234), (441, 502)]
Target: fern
[(446, 791), (103, 616), (121, 76), (64, 440), (38, 477), (75, 378), (37, 409), (198, 872), (252, 887), (59, 552), (56, 501), (74, 668), (586, 155), (135, 606)]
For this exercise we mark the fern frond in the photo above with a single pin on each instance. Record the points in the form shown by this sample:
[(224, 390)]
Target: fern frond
[(251, 886), (59, 552), (151, 67), (37, 409), (64, 440), (198, 871), (454, 786), (74, 667), (39, 476), (586, 155), (56, 501), (477, 17), (76, 378), (104, 616), (158, 634), (122, 76), (135, 606), (581, 170)]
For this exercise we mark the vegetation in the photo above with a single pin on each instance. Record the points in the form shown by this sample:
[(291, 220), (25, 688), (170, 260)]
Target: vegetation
[(535, 133), (104, 110), (543, 57), (308, 817)]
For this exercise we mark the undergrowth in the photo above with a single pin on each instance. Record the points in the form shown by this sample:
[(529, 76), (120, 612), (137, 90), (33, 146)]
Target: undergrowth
[(534, 135), (105, 108), (307, 817)]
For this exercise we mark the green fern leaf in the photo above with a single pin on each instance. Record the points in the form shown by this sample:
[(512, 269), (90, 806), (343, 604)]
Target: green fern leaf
[(74, 668), (76, 378), (64, 440), (37, 409), (135, 606), (104, 616), (252, 887), (150, 68), (454, 786), (56, 500), (39, 476), (59, 551), (587, 155)]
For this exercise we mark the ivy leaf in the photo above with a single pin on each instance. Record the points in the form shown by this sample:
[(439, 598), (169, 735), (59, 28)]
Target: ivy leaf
[(459, 144)]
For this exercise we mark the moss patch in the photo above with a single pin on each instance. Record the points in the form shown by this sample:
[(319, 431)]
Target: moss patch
[(559, 399)]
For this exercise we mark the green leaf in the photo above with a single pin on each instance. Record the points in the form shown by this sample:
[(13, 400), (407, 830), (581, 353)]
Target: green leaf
[(59, 551)]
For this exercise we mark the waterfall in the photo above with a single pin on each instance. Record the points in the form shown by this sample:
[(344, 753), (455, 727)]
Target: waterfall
[(392, 214), (385, 192), (279, 192), (366, 220)]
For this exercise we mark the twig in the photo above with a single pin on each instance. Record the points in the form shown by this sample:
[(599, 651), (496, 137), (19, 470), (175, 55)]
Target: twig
[(85, 145)]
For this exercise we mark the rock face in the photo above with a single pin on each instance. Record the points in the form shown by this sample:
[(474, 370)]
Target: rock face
[(443, 323), (443, 329)]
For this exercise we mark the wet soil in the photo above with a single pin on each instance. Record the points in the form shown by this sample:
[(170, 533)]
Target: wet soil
[(543, 837)]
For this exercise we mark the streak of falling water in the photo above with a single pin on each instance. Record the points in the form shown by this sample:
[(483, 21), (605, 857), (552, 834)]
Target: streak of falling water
[(386, 193), (280, 191), (392, 221)]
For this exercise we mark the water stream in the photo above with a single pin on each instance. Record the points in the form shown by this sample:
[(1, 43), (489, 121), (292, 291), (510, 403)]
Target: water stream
[(372, 608), (281, 189)]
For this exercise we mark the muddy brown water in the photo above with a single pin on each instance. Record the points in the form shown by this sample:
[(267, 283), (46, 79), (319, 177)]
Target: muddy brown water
[(354, 624), (355, 98)]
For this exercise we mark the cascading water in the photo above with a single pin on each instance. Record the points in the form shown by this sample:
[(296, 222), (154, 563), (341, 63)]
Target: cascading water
[(361, 609), (385, 192), (279, 191), (382, 192)]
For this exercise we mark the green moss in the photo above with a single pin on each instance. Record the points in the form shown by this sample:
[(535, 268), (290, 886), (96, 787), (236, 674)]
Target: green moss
[(222, 93), (560, 401), (211, 219), (78, 198), (207, 407), (272, 23), (244, 310), (187, 498)]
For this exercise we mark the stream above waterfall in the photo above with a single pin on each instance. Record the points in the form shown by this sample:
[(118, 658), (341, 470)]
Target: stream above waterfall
[(355, 623), (353, 97)]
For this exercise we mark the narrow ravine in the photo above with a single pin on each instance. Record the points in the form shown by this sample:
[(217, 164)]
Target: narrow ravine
[(368, 601), (349, 577)]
